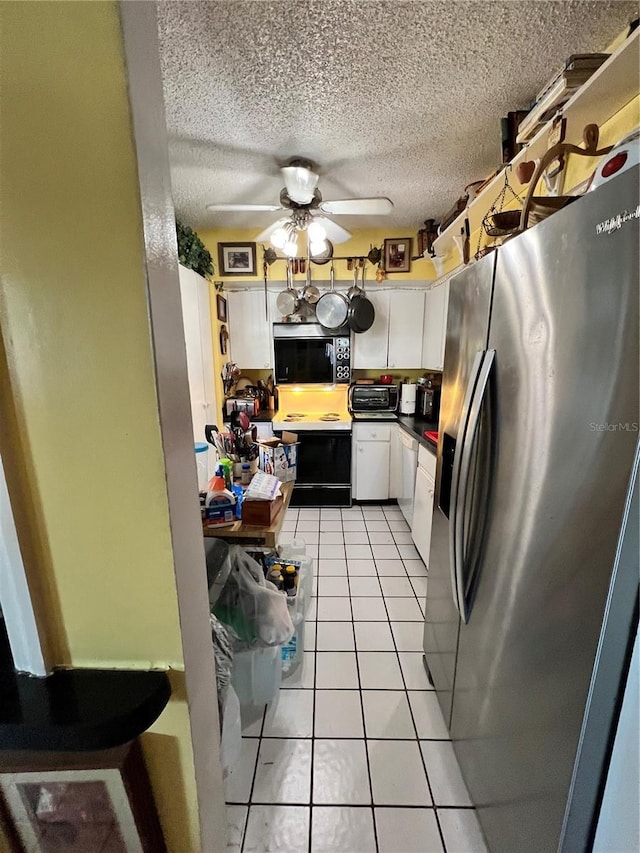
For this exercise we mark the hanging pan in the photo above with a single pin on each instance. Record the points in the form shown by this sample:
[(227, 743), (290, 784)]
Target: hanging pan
[(287, 300), (332, 307), (361, 311)]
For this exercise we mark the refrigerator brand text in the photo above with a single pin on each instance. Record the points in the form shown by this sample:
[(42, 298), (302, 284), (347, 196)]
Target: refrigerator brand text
[(616, 222)]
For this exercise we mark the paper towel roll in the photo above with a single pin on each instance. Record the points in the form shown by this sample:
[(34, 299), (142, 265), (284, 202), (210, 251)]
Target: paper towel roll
[(408, 399)]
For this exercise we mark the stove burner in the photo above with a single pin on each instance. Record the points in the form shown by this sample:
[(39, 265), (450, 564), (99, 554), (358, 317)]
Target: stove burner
[(295, 415), (330, 416)]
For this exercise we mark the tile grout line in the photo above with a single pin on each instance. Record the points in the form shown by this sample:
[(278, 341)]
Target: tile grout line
[(315, 675), (364, 730), (417, 739)]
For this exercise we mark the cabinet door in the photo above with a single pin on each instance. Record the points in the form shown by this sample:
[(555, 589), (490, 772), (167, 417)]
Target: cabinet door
[(423, 513), (249, 330), (435, 327), (370, 348), (395, 463), (372, 471), (194, 295), (406, 311)]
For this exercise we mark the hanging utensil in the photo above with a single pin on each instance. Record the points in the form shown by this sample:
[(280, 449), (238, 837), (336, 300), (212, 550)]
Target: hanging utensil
[(332, 307), (354, 290), (361, 311), (310, 292), (287, 300)]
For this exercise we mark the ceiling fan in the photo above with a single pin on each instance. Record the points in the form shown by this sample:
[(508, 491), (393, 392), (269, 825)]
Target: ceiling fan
[(301, 196)]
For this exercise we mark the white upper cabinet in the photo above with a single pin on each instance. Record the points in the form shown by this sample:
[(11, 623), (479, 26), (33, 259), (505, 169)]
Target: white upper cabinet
[(406, 311), (370, 348), (250, 336), (435, 327), (196, 317)]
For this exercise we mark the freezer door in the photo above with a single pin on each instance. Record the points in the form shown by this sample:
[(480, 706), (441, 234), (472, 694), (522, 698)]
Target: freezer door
[(466, 341), (564, 388)]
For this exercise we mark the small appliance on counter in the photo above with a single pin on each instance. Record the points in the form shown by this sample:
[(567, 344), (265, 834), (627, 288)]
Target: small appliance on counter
[(408, 398), (373, 398), (250, 405), (428, 400)]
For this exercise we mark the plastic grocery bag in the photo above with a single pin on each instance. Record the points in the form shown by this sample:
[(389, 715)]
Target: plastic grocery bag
[(223, 654), (251, 606), (231, 740)]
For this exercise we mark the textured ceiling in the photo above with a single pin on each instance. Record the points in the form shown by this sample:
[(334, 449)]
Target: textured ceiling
[(401, 99)]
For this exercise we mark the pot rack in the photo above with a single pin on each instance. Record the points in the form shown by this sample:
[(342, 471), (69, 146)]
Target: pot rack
[(321, 263)]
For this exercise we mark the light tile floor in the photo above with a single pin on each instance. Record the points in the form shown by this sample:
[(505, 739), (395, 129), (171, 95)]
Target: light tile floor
[(354, 755)]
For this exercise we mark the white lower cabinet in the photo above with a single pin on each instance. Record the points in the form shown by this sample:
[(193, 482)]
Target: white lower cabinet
[(423, 503), (370, 461)]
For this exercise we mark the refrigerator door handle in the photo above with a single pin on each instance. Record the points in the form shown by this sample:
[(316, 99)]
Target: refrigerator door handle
[(465, 470), (457, 521)]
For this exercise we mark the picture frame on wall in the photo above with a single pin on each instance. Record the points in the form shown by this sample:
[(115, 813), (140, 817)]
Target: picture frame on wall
[(237, 258), (397, 254), (221, 308)]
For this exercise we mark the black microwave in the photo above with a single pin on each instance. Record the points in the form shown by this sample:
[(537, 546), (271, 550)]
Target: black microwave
[(306, 354), (373, 398)]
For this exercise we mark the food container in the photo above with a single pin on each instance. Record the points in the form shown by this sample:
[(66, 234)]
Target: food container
[(202, 464), (279, 456)]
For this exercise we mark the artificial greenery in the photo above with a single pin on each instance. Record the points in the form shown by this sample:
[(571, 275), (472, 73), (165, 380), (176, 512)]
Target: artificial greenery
[(192, 252)]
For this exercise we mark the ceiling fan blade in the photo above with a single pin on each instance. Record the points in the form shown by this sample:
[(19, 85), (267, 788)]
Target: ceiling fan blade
[(263, 236), (300, 182), (367, 206), (246, 208), (336, 233)]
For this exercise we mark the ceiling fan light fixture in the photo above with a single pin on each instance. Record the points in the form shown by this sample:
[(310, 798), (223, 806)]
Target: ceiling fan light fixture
[(290, 248), (317, 247), (279, 238), (317, 233), (300, 183)]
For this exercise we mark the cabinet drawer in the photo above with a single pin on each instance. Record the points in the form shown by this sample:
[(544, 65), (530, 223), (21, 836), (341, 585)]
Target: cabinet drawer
[(372, 432), (427, 460)]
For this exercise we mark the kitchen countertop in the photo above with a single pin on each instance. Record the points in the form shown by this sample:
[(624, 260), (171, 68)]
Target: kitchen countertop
[(416, 427), (253, 534), (264, 416)]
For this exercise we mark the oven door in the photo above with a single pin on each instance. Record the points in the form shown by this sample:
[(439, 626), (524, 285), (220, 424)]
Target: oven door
[(304, 360), (323, 469)]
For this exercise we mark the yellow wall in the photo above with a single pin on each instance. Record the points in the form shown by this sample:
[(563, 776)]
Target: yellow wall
[(359, 244), (79, 432)]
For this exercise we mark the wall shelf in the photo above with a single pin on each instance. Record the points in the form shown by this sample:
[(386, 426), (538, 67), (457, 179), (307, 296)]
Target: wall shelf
[(606, 92)]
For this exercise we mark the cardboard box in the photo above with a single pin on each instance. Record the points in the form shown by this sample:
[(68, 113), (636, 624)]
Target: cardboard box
[(261, 513), (279, 456)]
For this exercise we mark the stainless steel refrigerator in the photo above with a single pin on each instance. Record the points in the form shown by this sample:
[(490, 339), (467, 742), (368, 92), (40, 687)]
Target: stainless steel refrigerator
[(538, 430)]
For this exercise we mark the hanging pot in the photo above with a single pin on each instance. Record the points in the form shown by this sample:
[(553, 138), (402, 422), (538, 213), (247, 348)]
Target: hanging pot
[(287, 300), (332, 308), (310, 292), (361, 311)]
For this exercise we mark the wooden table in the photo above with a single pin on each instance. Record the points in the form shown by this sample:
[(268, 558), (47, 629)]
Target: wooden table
[(251, 534)]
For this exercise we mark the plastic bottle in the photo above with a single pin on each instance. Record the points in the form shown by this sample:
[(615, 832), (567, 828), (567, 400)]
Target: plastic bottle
[(227, 468), (290, 580), (246, 474)]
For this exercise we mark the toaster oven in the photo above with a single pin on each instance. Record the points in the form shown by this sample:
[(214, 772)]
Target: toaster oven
[(373, 398)]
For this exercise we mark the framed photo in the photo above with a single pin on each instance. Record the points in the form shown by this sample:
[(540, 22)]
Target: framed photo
[(221, 308), (237, 258), (397, 254)]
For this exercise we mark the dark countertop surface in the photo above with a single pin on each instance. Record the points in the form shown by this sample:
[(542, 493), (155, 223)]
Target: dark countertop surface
[(416, 427), (75, 710), (264, 416)]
